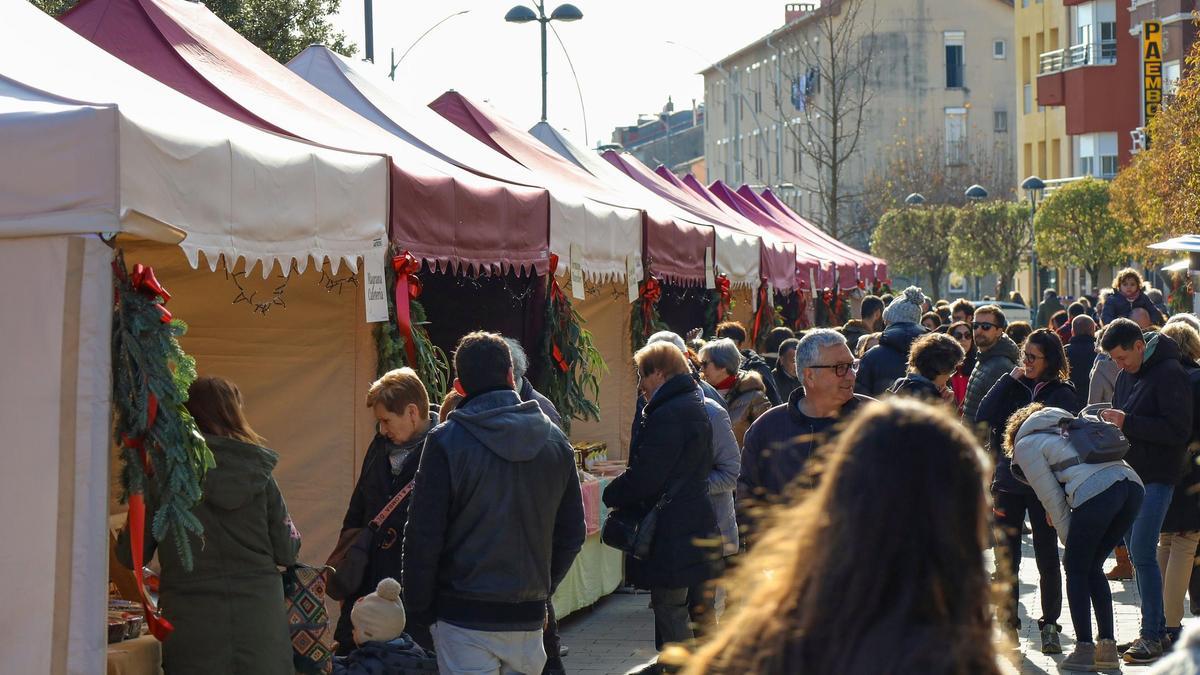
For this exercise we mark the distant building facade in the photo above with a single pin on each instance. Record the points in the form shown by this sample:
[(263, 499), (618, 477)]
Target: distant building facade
[(674, 138), (942, 72)]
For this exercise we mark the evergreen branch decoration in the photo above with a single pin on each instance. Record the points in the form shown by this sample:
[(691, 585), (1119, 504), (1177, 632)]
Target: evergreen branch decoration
[(432, 365), (572, 366), (644, 319), (162, 451)]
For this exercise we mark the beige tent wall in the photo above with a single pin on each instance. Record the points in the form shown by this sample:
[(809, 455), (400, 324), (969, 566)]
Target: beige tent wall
[(605, 312), (303, 368)]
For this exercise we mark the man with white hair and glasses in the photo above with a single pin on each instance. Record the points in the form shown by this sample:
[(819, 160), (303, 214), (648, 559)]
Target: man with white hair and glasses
[(779, 443)]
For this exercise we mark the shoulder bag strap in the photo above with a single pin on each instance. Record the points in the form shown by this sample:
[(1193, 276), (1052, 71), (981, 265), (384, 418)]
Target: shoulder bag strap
[(391, 506)]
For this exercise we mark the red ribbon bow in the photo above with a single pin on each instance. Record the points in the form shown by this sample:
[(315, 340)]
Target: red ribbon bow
[(408, 288), (160, 628), (144, 282), (557, 297), (651, 292), (760, 314), (725, 295)]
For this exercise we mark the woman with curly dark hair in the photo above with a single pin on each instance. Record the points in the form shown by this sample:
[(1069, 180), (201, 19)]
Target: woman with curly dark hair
[(841, 581)]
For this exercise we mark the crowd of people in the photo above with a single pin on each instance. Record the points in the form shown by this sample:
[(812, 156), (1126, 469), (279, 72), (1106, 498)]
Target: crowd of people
[(822, 501)]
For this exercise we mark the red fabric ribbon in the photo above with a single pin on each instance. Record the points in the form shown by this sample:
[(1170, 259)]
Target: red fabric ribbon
[(759, 314), (144, 282), (725, 297), (408, 287), (160, 628), (651, 292), (560, 305)]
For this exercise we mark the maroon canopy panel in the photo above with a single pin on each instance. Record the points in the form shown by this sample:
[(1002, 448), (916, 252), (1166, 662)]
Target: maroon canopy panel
[(881, 271), (674, 248), (439, 212)]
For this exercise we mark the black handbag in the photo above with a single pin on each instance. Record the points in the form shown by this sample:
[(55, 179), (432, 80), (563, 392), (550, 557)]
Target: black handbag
[(347, 565), (626, 531)]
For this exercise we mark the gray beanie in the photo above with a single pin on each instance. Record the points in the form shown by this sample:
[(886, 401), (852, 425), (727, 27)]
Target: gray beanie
[(906, 308)]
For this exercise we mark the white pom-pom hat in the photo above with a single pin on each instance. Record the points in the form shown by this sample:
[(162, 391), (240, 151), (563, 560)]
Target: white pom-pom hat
[(379, 616)]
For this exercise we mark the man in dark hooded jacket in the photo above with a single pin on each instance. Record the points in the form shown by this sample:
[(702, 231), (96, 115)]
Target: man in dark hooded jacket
[(887, 361), (495, 522), (998, 354), (1152, 405)]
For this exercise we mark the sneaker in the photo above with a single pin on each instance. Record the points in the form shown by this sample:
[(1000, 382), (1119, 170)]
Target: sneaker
[(1051, 643), (1143, 651), (1106, 655), (1170, 638), (1083, 659)]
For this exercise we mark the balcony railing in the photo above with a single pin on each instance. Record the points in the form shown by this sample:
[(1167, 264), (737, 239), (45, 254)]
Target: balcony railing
[(1094, 53)]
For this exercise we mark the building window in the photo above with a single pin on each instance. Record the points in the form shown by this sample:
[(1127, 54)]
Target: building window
[(956, 136), (1001, 121), (955, 66), (1027, 96), (999, 49), (1096, 154)]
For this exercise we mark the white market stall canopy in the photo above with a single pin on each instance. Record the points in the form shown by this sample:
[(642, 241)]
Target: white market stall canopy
[(103, 147), (603, 232)]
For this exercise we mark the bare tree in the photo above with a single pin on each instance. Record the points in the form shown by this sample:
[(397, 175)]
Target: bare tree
[(830, 60)]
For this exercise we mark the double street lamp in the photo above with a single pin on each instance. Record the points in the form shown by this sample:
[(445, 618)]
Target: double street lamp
[(523, 14)]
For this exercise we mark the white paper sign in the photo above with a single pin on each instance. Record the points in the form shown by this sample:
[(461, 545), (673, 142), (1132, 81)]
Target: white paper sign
[(577, 290), (631, 280), (710, 277), (375, 288)]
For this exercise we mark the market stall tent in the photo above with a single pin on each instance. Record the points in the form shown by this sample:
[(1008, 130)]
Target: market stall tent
[(440, 212), (771, 198), (602, 232), (93, 146)]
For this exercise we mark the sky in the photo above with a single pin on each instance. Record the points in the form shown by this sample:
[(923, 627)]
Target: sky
[(620, 49)]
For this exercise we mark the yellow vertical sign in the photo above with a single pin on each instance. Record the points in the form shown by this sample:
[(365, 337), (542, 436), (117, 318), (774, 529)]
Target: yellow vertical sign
[(1152, 81)]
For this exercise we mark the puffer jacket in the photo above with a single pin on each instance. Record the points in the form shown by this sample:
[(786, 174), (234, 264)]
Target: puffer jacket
[(990, 366), (496, 516), (722, 479), (401, 656), (1118, 306), (1037, 453), (886, 362), (746, 401), (1102, 381), (1184, 513), (1008, 396), (1158, 405)]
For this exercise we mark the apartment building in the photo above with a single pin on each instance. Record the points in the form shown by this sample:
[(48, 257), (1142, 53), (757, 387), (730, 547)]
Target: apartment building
[(942, 71)]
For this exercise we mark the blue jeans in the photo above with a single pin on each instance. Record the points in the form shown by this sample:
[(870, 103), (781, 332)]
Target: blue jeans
[(1096, 527), (1143, 548)]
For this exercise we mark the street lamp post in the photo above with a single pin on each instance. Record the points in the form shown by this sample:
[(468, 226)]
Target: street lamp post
[(396, 63), (915, 199), (523, 14), (1033, 187), (976, 193)]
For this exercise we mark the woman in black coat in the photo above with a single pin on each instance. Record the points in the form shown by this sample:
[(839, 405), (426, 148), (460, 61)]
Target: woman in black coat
[(1044, 377), (670, 457)]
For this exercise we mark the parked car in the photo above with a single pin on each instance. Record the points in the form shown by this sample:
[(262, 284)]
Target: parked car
[(1012, 311)]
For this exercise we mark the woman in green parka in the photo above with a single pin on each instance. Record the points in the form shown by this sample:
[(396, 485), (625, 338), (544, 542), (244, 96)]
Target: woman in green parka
[(228, 612)]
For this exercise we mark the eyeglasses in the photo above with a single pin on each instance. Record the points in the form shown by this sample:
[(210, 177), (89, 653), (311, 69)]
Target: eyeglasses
[(1030, 358), (985, 325), (840, 369), (961, 335)]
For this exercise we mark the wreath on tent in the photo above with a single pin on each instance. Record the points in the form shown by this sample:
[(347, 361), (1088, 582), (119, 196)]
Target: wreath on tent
[(881, 288), (832, 309), (571, 364), (767, 316), (405, 342), (1179, 300), (162, 450), (644, 319)]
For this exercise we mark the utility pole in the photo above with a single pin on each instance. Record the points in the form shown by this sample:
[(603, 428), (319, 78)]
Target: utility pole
[(370, 38)]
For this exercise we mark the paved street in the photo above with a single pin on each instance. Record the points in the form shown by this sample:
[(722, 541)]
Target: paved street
[(618, 632)]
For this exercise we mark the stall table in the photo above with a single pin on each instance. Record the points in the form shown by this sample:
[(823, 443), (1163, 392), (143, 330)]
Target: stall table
[(598, 569)]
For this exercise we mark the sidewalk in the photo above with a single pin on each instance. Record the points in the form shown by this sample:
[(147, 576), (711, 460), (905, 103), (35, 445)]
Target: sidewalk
[(617, 633)]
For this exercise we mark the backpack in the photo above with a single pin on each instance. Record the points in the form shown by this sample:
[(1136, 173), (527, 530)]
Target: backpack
[(1093, 440)]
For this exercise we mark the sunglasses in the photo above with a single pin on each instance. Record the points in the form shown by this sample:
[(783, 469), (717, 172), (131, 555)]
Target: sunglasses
[(961, 335), (840, 369), (985, 325)]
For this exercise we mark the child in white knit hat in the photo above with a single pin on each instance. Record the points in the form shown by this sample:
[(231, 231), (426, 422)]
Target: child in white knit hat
[(382, 646)]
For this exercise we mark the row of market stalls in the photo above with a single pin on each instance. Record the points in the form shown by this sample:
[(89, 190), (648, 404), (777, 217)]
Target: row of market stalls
[(263, 196)]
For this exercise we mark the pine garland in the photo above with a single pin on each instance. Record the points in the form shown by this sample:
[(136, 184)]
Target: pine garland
[(718, 304), (432, 365), (571, 364), (1179, 301), (161, 448), (644, 319)]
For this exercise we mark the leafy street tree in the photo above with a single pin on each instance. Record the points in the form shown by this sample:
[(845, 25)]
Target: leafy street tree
[(1075, 228), (1157, 196), (281, 28), (990, 237), (916, 241)]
